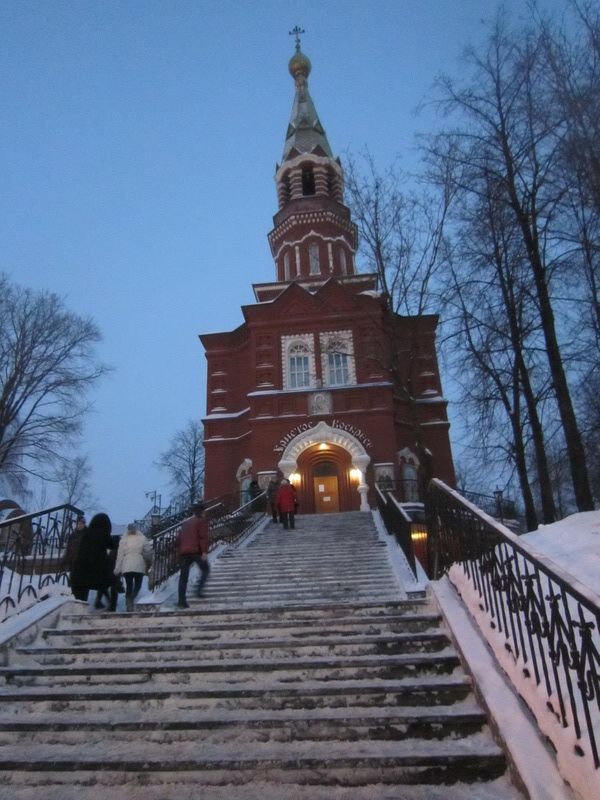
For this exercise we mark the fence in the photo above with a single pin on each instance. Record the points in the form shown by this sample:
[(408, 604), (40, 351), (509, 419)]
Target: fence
[(32, 550), (543, 628), (227, 523), (495, 505), (397, 523)]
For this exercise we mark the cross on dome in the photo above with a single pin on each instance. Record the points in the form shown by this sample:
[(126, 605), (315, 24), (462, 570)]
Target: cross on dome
[(297, 31)]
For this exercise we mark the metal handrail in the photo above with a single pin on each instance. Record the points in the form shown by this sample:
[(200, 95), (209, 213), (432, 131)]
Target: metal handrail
[(397, 523), (499, 507), (32, 550), (226, 523), (546, 620)]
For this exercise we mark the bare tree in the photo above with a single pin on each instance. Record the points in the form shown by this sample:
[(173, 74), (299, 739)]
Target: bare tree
[(494, 338), (73, 478), (47, 366), (506, 132), (183, 460), (573, 69), (401, 237)]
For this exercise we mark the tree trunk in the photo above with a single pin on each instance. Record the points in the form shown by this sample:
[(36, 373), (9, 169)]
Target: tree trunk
[(575, 450)]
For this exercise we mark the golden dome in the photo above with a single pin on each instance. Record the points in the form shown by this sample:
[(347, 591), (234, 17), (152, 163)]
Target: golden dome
[(299, 65)]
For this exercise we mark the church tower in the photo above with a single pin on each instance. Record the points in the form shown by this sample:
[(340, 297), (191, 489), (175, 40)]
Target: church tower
[(300, 388), (313, 237)]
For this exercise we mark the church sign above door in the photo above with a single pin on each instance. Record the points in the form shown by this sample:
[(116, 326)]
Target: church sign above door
[(356, 432), (336, 423), (283, 443)]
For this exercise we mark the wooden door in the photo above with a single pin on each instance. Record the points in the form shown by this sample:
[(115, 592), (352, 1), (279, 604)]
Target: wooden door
[(326, 494)]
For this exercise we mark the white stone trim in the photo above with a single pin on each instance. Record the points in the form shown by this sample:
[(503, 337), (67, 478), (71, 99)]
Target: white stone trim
[(312, 234), (325, 433), (287, 342), (347, 346)]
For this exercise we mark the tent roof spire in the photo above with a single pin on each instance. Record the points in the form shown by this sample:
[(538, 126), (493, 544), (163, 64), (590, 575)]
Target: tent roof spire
[(305, 134)]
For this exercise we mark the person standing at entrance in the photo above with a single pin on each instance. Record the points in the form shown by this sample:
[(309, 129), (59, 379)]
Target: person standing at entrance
[(272, 490), (192, 548), (286, 503)]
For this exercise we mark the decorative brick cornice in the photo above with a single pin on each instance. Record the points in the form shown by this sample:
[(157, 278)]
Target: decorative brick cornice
[(311, 218)]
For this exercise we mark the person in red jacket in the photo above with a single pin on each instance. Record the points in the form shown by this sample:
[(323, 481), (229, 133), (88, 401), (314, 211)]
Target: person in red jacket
[(286, 503), (192, 548)]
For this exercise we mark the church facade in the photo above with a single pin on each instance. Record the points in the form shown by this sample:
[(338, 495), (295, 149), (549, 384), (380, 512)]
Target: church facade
[(311, 386)]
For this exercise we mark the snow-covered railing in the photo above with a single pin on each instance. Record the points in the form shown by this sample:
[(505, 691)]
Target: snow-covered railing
[(397, 523), (32, 550), (541, 622), (226, 523)]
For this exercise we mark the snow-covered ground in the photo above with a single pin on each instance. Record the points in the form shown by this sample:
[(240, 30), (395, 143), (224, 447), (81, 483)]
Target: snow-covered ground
[(573, 544)]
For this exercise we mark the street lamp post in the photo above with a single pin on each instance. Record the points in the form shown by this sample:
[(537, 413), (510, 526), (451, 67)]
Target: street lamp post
[(498, 495)]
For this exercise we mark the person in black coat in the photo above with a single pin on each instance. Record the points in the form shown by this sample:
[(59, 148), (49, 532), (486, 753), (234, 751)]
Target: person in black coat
[(77, 581), (92, 564)]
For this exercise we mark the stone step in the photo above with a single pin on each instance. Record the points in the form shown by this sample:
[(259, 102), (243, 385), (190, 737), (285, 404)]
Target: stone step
[(301, 590), (79, 785), (241, 670), (425, 692), (129, 650), (256, 629), (344, 763), (261, 726), (204, 614), (306, 580)]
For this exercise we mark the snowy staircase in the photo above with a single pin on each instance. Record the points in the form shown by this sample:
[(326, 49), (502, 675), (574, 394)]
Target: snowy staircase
[(299, 674)]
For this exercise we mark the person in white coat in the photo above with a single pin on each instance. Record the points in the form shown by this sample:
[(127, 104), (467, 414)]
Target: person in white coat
[(134, 559)]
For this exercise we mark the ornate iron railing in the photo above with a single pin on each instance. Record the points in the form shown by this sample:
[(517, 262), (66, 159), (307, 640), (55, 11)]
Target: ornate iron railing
[(548, 625), (397, 523), (227, 523), (498, 506), (32, 549)]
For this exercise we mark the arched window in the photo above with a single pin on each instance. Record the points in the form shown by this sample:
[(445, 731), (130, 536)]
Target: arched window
[(338, 369), (313, 256), (299, 366), (337, 363), (410, 483), (337, 358), (286, 265)]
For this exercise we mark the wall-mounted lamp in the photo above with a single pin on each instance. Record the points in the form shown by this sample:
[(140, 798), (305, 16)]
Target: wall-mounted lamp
[(355, 474), (323, 446), (294, 478)]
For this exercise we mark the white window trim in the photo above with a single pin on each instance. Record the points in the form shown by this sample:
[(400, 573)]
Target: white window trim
[(325, 342), (287, 342)]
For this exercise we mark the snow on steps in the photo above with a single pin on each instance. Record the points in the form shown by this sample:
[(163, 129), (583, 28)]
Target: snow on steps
[(327, 686)]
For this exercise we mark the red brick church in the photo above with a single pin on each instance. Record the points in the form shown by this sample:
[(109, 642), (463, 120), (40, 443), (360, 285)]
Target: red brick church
[(302, 387)]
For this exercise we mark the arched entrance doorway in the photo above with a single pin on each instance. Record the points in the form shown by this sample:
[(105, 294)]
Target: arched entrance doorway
[(325, 462), (324, 477)]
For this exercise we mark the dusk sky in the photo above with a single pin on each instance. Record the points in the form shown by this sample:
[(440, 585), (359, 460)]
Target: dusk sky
[(139, 142)]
